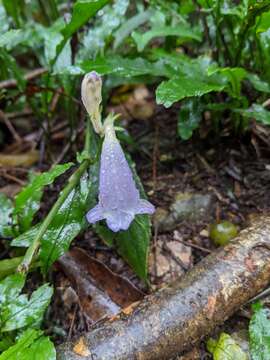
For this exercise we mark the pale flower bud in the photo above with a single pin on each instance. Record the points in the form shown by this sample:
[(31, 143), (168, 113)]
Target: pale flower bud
[(91, 98)]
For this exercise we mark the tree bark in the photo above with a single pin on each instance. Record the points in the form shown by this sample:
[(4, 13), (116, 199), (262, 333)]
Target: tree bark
[(172, 320)]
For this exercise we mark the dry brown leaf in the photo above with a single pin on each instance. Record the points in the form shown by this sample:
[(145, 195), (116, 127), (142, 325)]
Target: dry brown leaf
[(26, 160), (100, 291), (134, 105), (10, 190)]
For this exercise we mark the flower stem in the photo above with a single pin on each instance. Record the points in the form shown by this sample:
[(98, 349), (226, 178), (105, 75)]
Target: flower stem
[(72, 183)]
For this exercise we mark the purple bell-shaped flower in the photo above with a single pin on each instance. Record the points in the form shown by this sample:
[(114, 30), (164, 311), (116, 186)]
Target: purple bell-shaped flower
[(119, 199)]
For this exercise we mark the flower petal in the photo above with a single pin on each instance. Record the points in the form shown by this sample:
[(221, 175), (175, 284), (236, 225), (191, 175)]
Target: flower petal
[(119, 220), (95, 214), (117, 189), (144, 207)]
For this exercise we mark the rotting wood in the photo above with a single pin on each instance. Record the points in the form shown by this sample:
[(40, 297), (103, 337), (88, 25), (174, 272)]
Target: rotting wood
[(172, 320)]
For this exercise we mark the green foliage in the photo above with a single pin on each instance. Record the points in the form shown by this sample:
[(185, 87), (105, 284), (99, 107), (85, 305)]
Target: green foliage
[(205, 55), (180, 87), (20, 312), (132, 244), (259, 333), (31, 345), (183, 32), (226, 348), (27, 202), (5, 215), (190, 116), (257, 112), (17, 313)]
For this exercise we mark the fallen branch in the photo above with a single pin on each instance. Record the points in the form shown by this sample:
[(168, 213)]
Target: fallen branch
[(172, 320), (12, 83)]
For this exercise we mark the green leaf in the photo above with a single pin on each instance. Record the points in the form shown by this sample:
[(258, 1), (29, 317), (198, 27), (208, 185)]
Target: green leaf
[(31, 345), (259, 333), (21, 312), (27, 202), (184, 32), (14, 8), (41, 349), (226, 348), (83, 10), (263, 23), (26, 238), (131, 244), (258, 84), (180, 87), (10, 64), (189, 117), (235, 77), (123, 66), (10, 288), (5, 214), (12, 37), (9, 266), (69, 220), (67, 224), (129, 25), (17, 350), (257, 112), (96, 38)]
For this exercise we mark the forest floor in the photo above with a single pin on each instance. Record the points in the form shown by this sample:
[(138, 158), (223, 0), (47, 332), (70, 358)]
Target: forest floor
[(219, 175)]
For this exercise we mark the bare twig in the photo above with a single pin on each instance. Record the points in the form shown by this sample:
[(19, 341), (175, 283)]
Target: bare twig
[(12, 83)]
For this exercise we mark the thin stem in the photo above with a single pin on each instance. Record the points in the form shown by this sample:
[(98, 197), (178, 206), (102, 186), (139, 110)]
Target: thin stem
[(54, 10), (72, 183)]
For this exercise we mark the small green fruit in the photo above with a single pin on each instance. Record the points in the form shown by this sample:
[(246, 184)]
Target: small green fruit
[(223, 232)]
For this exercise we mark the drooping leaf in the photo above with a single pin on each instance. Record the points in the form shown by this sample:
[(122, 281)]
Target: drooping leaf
[(10, 65), (6, 207), (258, 84), (10, 288), (257, 112), (21, 312), (180, 87), (83, 10), (27, 202), (183, 32), (259, 333), (129, 25), (31, 345), (189, 117), (94, 42), (226, 348)]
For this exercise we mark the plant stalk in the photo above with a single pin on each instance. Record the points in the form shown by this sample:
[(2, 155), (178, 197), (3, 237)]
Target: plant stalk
[(72, 183)]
